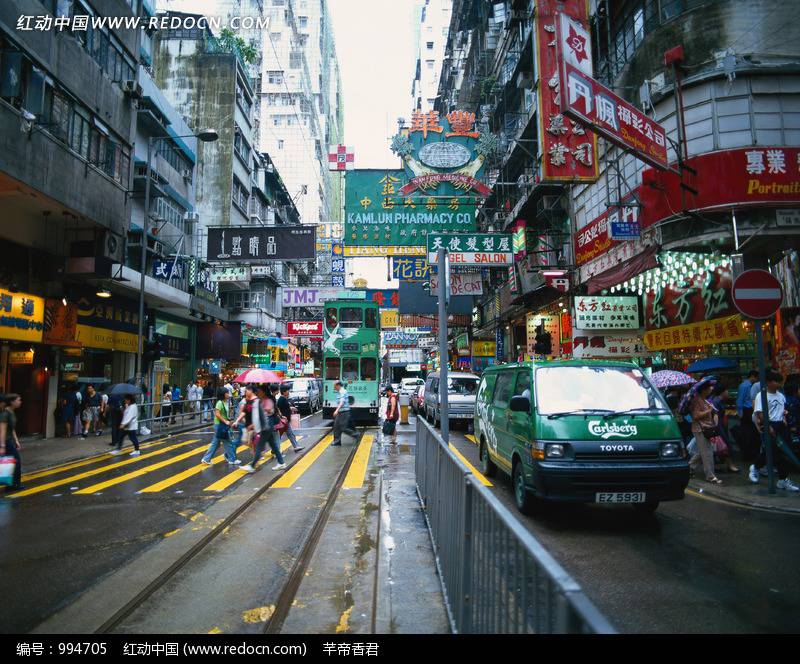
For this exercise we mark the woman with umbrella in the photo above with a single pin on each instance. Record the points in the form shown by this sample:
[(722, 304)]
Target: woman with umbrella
[(704, 426)]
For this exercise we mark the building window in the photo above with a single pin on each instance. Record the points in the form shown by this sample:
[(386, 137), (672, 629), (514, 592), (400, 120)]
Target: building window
[(302, 21), (280, 144), (168, 210), (275, 77), (239, 195), (243, 150), (295, 60), (429, 63), (430, 45)]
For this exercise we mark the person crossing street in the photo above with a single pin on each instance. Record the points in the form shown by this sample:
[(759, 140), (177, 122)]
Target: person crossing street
[(341, 417), (285, 409)]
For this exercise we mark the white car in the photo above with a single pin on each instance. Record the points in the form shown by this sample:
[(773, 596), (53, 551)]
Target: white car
[(408, 385)]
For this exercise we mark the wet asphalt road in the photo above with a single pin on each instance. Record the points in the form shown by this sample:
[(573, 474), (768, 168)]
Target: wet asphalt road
[(56, 542), (696, 566)]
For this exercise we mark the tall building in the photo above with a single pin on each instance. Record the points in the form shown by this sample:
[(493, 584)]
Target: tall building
[(431, 36)]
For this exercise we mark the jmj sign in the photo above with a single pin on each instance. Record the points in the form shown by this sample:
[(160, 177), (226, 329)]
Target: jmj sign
[(308, 297), (304, 328), (487, 249)]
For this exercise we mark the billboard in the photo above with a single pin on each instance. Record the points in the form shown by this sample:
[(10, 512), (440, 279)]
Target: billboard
[(261, 243), (486, 249), (308, 297), (304, 328), (606, 312), (460, 284)]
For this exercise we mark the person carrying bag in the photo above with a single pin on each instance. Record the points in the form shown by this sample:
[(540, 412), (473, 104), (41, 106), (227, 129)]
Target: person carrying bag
[(392, 415)]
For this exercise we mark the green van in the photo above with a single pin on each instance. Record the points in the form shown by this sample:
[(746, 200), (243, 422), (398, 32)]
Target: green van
[(580, 431)]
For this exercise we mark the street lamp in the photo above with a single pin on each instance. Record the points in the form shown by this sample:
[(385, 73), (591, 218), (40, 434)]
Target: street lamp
[(205, 135)]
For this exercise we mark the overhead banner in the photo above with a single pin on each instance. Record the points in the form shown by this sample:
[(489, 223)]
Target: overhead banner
[(608, 346), (383, 252), (399, 340), (486, 249), (716, 331), (702, 298), (261, 243), (107, 323), (568, 152), (460, 284), (606, 312), (593, 105)]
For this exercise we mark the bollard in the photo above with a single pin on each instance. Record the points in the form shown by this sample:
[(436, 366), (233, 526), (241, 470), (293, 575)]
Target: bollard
[(404, 402)]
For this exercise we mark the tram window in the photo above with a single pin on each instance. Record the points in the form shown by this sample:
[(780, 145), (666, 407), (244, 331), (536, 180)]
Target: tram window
[(350, 317), (332, 365), (350, 369), (369, 368), (371, 318), (331, 318)]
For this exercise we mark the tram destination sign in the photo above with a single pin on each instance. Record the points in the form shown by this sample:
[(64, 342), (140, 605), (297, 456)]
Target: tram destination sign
[(231, 244), (485, 249)]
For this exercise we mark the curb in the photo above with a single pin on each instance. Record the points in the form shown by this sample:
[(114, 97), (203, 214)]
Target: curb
[(705, 491)]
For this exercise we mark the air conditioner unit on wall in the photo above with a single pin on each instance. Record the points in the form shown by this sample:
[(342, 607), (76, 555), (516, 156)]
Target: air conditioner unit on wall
[(111, 246), (551, 207), (133, 89)]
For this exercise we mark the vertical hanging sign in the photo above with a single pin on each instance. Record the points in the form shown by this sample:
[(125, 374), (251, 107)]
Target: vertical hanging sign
[(568, 152)]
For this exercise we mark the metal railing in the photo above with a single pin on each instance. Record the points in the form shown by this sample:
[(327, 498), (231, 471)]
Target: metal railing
[(153, 415), (496, 577)]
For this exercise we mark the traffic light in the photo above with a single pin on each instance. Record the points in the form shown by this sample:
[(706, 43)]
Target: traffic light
[(152, 351), (544, 341)]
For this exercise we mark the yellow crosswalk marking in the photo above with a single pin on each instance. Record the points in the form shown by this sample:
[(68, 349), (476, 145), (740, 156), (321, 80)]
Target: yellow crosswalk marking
[(355, 476), (472, 468), (194, 470), (97, 471), (105, 456), (235, 475), (297, 470), (471, 438), (94, 488)]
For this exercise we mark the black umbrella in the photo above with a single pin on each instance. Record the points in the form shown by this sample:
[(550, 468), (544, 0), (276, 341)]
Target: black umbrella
[(122, 389)]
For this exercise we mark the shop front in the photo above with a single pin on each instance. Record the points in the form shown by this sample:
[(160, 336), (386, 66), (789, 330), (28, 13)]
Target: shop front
[(25, 361), (174, 367)]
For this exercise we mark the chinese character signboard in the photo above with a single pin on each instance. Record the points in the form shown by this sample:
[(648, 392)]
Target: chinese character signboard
[(168, 269), (486, 249), (388, 297), (593, 105), (706, 297), (21, 316), (715, 331), (304, 328), (341, 158), (623, 224), (110, 324), (568, 151), (337, 262), (606, 312), (261, 243), (238, 274), (602, 346), (389, 319), (411, 269), (60, 323)]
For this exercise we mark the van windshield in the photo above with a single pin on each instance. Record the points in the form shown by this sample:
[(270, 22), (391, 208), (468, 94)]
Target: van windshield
[(605, 389), (465, 386)]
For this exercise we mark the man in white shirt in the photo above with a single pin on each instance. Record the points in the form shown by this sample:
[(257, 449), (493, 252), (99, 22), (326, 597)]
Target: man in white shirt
[(776, 405)]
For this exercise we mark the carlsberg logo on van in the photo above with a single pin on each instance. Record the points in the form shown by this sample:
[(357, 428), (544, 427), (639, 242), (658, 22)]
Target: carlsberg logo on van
[(607, 430)]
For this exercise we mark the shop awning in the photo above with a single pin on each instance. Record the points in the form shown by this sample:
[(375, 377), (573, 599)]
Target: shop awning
[(636, 265)]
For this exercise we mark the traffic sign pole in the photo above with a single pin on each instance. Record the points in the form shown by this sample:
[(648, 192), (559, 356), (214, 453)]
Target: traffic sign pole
[(766, 437), (758, 295)]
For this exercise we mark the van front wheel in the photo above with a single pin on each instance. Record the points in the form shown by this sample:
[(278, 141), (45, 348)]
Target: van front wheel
[(487, 465), (522, 497)]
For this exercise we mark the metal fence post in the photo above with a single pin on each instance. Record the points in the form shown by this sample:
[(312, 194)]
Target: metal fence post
[(465, 626)]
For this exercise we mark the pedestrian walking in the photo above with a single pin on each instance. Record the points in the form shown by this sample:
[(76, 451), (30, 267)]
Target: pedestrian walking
[(197, 395), (748, 435), (392, 415), (102, 420), (704, 427), (177, 404), (208, 397), (724, 451), (91, 411), (166, 405), (129, 426), (78, 418), (9, 441), (341, 416), (261, 418), (778, 429), (286, 410), (114, 412), (222, 431)]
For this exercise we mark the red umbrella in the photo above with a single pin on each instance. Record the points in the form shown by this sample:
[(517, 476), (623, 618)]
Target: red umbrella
[(258, 376)]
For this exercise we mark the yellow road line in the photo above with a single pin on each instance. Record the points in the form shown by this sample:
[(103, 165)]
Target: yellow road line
[(94, 488), (194, 470), (52, 470), (472, 468), (297, 470), (97, 471), (358, 469), (235, 475), (471, 438)]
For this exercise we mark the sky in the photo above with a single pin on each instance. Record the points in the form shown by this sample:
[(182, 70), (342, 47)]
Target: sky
[(375, 45)]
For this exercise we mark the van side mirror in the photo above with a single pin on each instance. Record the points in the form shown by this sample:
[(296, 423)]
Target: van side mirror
[(520, 404)]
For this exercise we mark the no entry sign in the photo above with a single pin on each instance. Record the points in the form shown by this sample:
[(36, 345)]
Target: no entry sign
[(757, 294)]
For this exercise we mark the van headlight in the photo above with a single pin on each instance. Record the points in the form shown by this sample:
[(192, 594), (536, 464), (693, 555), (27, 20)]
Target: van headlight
[(670, 450), (555, 451)]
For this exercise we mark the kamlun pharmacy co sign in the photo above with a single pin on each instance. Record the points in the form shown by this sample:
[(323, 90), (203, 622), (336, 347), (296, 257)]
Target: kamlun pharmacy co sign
[(391, 212)]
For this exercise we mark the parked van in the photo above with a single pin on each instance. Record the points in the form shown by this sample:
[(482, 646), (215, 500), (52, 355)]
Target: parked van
[(580, 431), (304, 394), (460, 396)]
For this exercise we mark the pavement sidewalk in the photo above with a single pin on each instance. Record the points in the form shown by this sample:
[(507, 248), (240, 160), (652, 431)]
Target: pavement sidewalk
[(737, 489), (38, 453)]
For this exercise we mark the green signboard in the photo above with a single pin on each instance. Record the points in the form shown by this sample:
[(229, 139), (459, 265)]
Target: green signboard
[(486, 249), (438, 189)]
